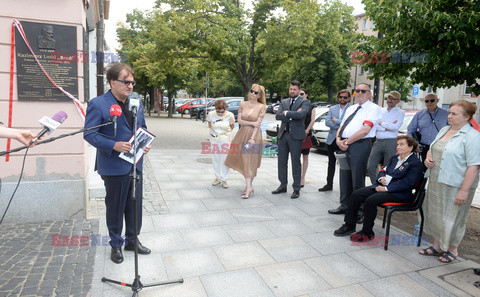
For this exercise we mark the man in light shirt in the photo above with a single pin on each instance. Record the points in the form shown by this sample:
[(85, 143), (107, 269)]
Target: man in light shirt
[(355, 138), (387, 131)]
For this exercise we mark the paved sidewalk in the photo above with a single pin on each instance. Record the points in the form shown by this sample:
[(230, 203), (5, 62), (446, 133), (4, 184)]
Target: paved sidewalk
[(268, 245)]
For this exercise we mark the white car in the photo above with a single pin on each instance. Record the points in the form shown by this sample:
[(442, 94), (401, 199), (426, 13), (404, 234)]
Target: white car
[(320, 131), (271, 130)]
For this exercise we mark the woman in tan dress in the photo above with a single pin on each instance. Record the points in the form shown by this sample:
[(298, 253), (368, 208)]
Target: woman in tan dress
[(245, 154), (454, 163)]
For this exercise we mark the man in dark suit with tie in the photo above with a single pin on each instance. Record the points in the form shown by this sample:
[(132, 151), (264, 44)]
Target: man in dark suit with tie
[(292, 112), (116, 172)]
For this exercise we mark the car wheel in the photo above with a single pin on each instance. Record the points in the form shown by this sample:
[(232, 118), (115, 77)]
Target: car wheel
[(186, 111)]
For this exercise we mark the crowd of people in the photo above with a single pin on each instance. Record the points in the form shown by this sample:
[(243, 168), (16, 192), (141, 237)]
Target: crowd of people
[(441, 145)]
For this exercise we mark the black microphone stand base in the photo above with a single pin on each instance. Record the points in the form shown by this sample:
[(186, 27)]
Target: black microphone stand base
[(137, 286)]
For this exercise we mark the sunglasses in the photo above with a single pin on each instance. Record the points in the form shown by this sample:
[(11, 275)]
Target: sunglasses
[(391, 98), (431, 100), (220, 110), (254, 92), (362, 91), (302, 94), (342, 97), (127, 82)]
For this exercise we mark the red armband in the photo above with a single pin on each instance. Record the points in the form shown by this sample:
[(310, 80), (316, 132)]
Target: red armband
[(368, 123)]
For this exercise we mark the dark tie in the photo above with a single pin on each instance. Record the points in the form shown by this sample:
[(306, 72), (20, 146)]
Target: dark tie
[(347, 121), (287, 127), (291, 103)]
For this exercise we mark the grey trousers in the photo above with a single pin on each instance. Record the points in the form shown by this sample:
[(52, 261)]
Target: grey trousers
[(353, 179), (382, 149), (287, 145)]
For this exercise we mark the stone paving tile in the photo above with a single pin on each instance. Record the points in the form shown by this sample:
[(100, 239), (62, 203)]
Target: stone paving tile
[(171, 222), (287, 227), (326, 243), (340, 270), (236, 283), (191, 287), (246, 215), (182, 206), (204, 237), (214, 218), (348, 291), (242, 255), (248, 232), (221, 203), (291, 278), (164, 241), (191, 263), (397, 285), (286, 249), (383, 263)]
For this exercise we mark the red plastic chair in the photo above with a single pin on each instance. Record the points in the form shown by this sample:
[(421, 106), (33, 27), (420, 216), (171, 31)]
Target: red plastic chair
[(416, 203)]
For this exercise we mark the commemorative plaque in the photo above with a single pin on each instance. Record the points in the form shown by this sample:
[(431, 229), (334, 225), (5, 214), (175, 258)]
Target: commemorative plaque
[(55, 47)]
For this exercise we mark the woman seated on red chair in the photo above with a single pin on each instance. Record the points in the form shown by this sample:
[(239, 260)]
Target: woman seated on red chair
[(394, 184)]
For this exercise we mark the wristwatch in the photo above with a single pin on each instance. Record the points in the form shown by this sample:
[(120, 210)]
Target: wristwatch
[(346, 142)]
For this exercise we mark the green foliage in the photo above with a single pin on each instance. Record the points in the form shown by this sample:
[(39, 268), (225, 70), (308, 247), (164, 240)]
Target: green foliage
[(446, 30), (400, 84)]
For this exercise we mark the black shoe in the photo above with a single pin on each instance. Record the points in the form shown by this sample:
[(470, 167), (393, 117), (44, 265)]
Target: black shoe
[(141, 249), (325, 188), (337, 211), (359, 219), (295, 194), (362, 237), (116, 256), (280, 190), (476, 271), (344, 230)]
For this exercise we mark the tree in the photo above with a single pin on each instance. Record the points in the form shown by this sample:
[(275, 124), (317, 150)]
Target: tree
[(435, 42), (403, 85)]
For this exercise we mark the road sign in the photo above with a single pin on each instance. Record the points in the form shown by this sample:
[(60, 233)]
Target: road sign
[(415, 91)]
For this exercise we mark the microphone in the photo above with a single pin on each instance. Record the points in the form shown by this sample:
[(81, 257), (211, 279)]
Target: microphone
[(133, 101), (50, 124), (115, 112)]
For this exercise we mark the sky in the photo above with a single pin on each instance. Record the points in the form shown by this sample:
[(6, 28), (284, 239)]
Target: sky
[(120, 8)]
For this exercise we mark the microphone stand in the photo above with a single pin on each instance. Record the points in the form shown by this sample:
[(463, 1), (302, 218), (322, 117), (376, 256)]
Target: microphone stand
[(137, 286), (55, 138)]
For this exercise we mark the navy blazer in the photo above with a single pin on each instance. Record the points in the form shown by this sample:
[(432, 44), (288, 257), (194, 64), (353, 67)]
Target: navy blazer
[(404, 178), (294, 117), (98, 112)]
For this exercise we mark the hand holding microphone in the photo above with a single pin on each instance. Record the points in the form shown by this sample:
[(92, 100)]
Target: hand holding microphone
[(50, 124)]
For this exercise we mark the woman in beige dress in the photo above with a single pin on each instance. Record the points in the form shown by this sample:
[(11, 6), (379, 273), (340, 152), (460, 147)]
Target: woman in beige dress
[(245, 154), (454, 163)]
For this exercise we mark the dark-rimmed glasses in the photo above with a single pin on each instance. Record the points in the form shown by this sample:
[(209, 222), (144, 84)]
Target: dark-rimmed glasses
[(220, 110), (342, 97), (362, 91), (431, 100), (127, 82), (254, 92)]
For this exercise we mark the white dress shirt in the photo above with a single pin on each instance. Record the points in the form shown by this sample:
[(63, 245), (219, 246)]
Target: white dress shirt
[(368, 114), (388, 128)]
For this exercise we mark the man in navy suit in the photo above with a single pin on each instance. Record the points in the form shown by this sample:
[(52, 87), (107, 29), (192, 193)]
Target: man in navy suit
[(292, 112), (334, 119), (394, 184), (116, 172)]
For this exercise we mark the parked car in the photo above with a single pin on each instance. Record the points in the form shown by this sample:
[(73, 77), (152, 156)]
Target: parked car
[(272, 127), (233, 104), (198, 111), (270, 107), (186, 107), (406, 121)]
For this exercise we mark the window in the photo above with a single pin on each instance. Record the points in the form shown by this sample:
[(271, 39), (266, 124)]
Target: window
[(362, 71), (365, 24), (468, 89), (372, 25)]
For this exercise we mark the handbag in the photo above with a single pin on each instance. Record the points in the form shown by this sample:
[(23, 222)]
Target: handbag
[(315, 141)]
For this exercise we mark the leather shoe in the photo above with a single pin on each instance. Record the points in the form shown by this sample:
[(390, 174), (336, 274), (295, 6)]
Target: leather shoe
[(141, 249), (295, 194), (280, 190), (344, 230), (337, 211), (361, 237), (325, 188), (359, 219), (117, 256)]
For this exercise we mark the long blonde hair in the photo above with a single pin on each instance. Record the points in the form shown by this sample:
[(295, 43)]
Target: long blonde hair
[(263, 98)]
